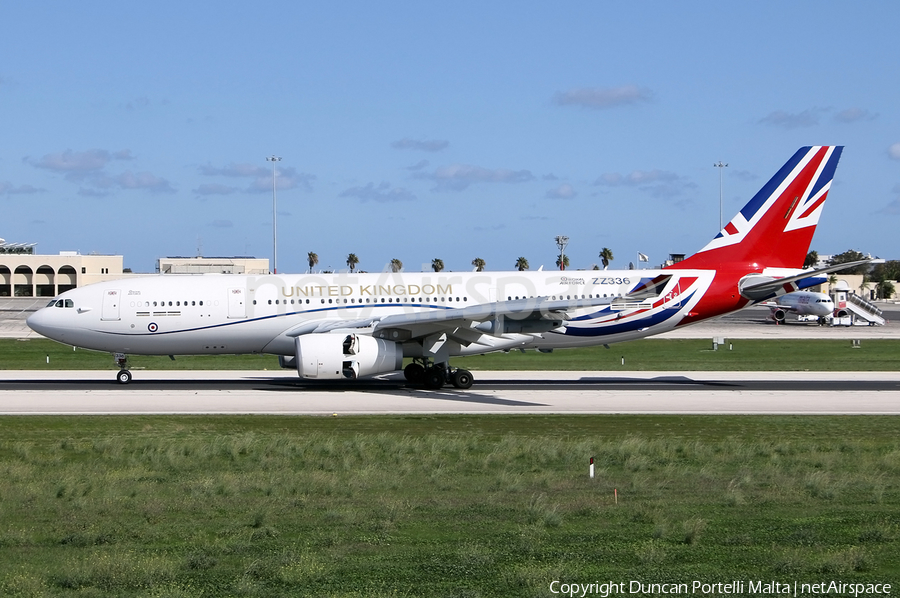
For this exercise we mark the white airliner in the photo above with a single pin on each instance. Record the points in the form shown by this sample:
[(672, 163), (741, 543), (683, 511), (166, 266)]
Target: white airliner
[(801, 303), (339, 326)]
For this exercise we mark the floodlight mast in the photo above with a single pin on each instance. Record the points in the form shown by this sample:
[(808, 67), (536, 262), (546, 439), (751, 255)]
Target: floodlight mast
[(561, 242), (273, 160), (720, 165)]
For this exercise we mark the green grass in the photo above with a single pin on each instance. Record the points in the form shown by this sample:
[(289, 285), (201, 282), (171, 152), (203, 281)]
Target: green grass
[(440, 505), (647, 354)]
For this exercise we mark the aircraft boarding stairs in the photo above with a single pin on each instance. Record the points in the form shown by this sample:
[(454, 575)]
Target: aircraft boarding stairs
[(861, 308)]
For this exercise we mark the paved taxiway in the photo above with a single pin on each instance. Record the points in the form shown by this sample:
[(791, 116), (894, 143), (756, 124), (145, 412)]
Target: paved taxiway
[(495, 392)]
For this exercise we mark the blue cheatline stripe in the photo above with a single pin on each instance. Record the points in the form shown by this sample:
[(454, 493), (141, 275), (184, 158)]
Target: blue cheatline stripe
[(760, 198), (810, 282), (630, 326), (828, 171), (248, 321)]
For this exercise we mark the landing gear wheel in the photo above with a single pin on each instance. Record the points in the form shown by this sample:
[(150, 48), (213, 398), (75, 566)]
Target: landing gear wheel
[(124, 377), (414, 373), (462, 379), (434, 378)]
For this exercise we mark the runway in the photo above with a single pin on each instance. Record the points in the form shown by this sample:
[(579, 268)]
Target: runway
[(800, 393), (282, 392)]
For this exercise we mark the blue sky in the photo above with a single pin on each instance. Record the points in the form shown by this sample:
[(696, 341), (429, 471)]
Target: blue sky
[(417, 130)]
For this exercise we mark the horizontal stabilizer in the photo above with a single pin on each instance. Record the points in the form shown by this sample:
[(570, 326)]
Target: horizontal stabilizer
[(757, 287)]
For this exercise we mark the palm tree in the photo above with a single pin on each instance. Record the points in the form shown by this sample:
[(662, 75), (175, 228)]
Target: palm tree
[(812, 258), (606, 256), (437, 264), (352, 260), (864, 286), (313, 259), (396, 265), (479, 264), (521, 264), (562, 261)]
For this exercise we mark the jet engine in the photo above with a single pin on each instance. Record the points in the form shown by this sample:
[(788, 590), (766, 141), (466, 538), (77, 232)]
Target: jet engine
[(339, 356), (778, 315)]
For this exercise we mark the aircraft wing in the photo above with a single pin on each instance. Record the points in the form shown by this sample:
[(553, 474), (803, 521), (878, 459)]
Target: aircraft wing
[(774, 305), (468, 324)]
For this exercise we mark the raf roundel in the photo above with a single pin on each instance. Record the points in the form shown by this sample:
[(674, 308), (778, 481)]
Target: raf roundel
[(152, 327)]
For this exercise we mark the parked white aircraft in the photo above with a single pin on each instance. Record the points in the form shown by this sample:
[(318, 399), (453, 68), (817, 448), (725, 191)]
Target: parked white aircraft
[(336, 326), (801, 303)]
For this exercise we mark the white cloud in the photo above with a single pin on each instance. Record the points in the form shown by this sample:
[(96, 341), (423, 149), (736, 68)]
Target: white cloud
[(598, 98), (852, 115), (564, 191), (236, 170), (658, 183), (143, 180), (787, 120), (7, 188), (458, 177), (894, 151), (433, 145), (287, 178), (418, 165), (78, 162), (382, 193), (214, 189)]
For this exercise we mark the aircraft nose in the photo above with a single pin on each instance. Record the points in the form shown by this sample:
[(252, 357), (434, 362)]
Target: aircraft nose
[(38, 321)]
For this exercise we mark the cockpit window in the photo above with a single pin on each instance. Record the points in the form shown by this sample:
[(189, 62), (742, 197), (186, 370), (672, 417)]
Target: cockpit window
[(70, 303), (61, 303), (52, 303)]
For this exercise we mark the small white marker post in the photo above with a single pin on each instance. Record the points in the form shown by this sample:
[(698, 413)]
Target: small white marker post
[(592, 467)]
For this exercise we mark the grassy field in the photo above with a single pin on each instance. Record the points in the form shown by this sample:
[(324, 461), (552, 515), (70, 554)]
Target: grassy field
[(441, 505), (647, 354)]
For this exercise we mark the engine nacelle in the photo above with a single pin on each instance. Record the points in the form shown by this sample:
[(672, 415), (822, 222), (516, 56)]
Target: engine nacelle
[(339, 356), (778, 315)]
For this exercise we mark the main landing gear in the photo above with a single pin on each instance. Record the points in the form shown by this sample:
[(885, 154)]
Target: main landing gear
[(435, 375), (124, 376)]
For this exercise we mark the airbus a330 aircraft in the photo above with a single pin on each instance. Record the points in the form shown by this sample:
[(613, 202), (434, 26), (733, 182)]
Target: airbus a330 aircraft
[(339, 326), (801, 303)]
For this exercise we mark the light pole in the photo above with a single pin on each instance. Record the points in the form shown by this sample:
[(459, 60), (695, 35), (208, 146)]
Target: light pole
[(720, 166), (561, 242), (273, 160)]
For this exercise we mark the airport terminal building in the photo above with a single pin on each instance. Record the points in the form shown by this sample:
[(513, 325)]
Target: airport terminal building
[(25, 273)]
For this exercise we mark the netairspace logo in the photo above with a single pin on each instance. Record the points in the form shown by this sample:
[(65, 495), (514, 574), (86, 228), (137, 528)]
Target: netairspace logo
[(736, 588)]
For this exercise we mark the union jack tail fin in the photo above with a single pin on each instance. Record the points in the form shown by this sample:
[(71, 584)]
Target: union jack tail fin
[(776, 227)]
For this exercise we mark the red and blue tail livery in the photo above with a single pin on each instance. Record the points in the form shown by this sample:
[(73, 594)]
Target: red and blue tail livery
[(350, 325), (777, 224)]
